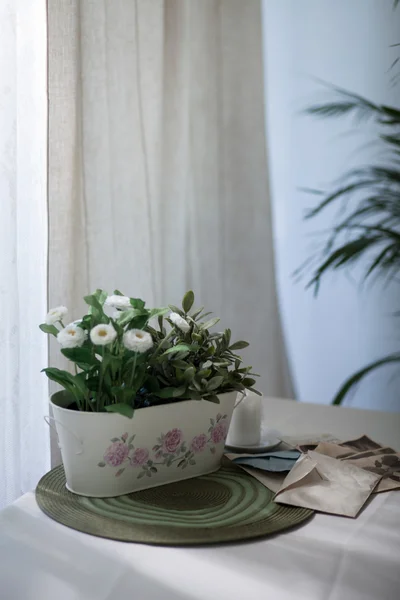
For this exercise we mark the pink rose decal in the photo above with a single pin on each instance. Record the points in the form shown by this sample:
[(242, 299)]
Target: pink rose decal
[(159, 454), (124, 437), (172, 440), (219, 432), (116, 454), (199, 443), (139, 457)]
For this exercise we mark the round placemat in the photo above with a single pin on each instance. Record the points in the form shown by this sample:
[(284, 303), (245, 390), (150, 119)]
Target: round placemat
[(226, 506)]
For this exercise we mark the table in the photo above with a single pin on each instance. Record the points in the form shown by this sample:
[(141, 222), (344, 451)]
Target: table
[(330, 558)]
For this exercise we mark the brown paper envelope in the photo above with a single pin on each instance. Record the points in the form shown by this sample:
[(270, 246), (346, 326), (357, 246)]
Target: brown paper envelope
[(323, 483)]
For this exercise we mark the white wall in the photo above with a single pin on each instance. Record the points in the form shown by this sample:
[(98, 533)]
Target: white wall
[(346, 43)]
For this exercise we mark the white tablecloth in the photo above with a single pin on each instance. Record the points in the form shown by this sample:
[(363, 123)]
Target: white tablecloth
[(329, 558)]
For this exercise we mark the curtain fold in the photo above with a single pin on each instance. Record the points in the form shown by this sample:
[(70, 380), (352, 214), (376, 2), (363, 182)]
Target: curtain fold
[(24, 436), (157, 162)]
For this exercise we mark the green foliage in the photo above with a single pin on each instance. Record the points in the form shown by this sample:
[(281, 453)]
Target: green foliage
[(52, 329), (180, 365), (356, 378), (368, 226), (187, 301), (197, 364)]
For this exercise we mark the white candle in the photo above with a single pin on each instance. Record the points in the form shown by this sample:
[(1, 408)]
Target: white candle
[(245, 425)]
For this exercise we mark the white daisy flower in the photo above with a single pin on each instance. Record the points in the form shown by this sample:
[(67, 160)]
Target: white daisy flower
[(137, 340), (121, 302), (179, 322), (101, 335), (56, 314), (71, 336)]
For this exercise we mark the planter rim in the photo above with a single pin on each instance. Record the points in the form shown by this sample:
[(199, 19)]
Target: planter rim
[(108, 415)]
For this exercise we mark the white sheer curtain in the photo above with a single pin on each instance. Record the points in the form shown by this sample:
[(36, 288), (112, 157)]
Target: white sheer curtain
[(158, 175), (24, 437)]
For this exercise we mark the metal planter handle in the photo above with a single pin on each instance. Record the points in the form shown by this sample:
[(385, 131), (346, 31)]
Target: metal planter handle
[(47, 419)]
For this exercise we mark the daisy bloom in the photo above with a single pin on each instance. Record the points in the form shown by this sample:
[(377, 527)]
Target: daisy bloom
[(56, 314), (137, 340), (120, 302), (179, 322), (71, 336), (101, 335)]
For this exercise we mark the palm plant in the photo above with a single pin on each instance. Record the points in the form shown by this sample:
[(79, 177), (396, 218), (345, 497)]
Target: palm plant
[(368, 227)]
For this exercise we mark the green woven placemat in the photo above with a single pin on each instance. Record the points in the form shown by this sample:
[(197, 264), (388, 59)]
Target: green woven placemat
[(226, 506)]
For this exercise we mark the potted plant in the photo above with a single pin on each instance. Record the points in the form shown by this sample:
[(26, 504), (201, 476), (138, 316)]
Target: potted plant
[(151, 396), (368, 224)]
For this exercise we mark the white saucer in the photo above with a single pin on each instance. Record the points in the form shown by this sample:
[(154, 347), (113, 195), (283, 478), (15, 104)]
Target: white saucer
[(269, 440)]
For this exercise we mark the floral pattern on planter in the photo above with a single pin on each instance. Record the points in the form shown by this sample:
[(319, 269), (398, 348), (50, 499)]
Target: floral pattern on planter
[(170, 449)]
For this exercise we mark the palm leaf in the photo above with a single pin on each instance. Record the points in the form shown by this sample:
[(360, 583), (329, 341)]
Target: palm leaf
[(357, 377), (348, 103)]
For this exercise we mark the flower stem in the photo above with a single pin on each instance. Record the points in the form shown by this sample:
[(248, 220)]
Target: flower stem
[(133, 371), (100, 380)]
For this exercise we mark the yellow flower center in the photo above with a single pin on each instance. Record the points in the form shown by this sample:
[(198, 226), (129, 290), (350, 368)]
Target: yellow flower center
[(140, 336), (71, 332), (102, 332)]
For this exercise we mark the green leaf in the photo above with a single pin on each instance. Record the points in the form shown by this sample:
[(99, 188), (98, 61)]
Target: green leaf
[(158, 312), (196, 337), (189, 374), (81, 356), (121, 408), (101, 464), (131, 313), (141, 474), (188, 301), (181, 364), (58, 375), (170, 392), (180, 348), (356, 378), (248, 382), (137, 303), (209, 324), (51, 329), (175, 309), (204, 373), (212, 398), (239, 345), (139, 322), (93, 302), (255, 391), (86, 323), (101, 296), (118, 293), (193, 394), (215, 382), (71, 383), (197, 313)]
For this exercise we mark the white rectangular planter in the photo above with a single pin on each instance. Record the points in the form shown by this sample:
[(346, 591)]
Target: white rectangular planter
[(106, 454)]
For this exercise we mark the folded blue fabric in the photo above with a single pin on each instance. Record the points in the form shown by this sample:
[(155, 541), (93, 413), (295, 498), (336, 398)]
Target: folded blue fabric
[(276, 462)]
